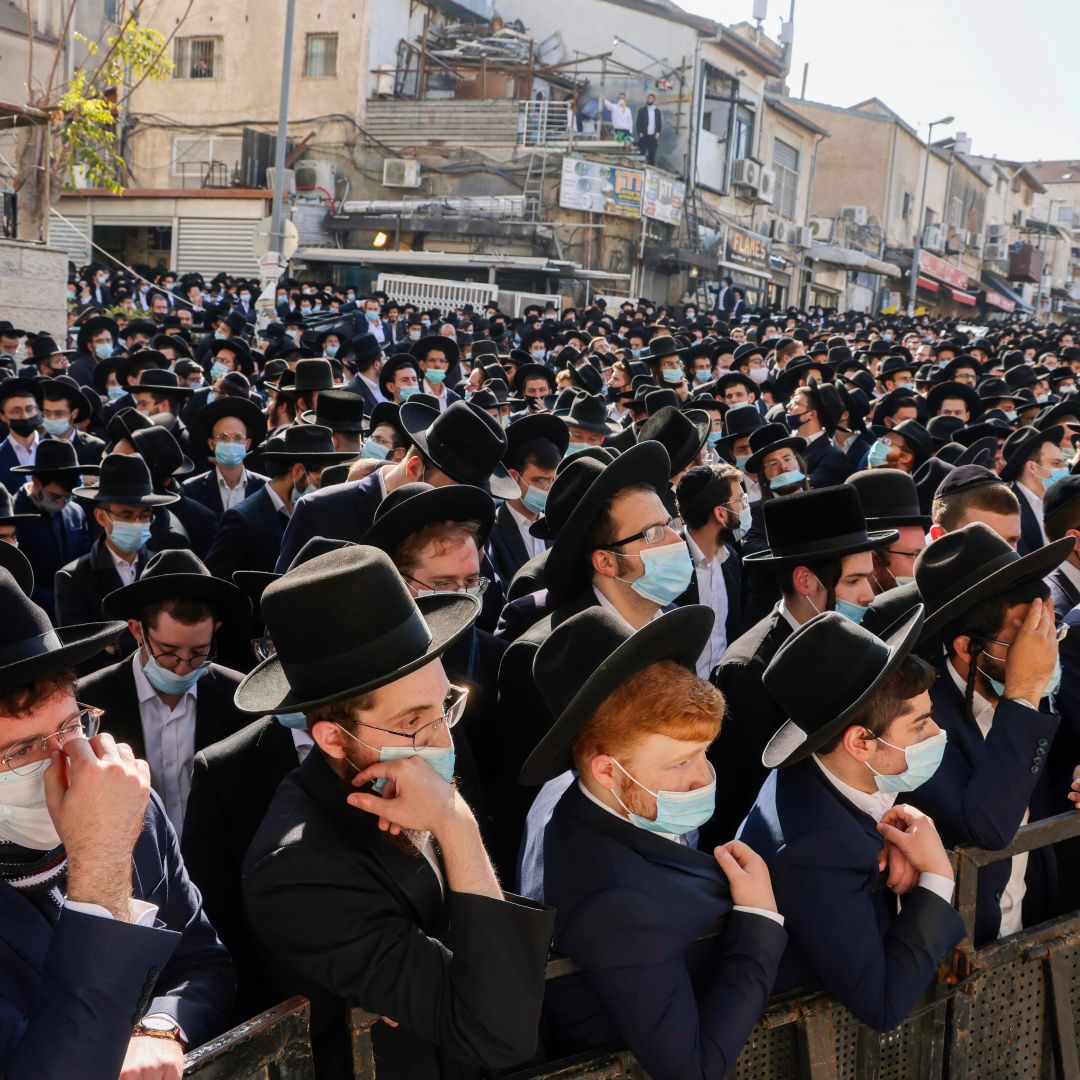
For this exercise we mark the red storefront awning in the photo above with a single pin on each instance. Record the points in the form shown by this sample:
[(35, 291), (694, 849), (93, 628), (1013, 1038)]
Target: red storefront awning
[(961, 297), (928, 284)]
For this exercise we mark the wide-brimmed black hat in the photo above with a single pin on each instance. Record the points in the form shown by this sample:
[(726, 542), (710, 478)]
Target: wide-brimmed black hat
[(530, 371), (764, 440), (889, 499), (940, 391), (387, 412), (18, 565), (824, 674), (664, 345), (305, 442), (962, 568), (55, 458), (159, 381), (157, 446), (809, 526), (65, 388), (31, 649), (95, 325), (585, 659), (361, 349), (21, 387), (339, 410), (448, 345), (738, 423), (464, 442), (917, 438), (379, 634), (1022, 443), (586, 377), (310, 375), (995, 389), (578, 494), (7, 509), (125, 479), (589, 412), (176, 574), (682, 434), (928, 478), (242, 408), (412, 506), (535, 426)]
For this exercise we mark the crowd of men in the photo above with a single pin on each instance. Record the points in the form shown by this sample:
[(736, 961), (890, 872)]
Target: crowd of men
[(373, 654)]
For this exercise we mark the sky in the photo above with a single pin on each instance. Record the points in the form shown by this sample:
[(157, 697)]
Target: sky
[(1008, 72)]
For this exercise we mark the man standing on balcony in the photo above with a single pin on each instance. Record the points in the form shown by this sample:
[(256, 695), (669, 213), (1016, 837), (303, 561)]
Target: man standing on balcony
[(649, 125), (622, 120)]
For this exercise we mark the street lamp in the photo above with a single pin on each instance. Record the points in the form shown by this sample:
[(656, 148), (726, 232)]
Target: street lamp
[(916, 255)]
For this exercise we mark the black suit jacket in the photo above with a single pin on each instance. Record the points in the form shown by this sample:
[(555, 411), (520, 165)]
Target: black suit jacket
[(826, 464), (1031, 538), (204, 489), (198, 521), (248, 538), (641, 121), (232, 784), (50, 541), (1063, 592), (508, 551), (113, 690), (356, 385), (89, 449), (751, 718), (343, 914)]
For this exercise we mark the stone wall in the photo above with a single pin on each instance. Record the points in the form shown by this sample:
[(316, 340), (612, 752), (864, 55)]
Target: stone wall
[(33, 287)]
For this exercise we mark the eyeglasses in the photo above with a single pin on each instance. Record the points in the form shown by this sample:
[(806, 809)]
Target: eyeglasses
[(230, 439), (742, 502), (1061, 632), (20, 757), (477, 586), (453, 708), (171, 661), (263, 647), (651, 534), (131, 517), (909, 554)]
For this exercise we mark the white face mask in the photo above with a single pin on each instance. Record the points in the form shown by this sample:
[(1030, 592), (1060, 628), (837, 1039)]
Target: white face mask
[(24, 815)]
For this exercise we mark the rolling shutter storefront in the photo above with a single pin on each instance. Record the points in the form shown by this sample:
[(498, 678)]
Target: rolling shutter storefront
[(208, 246), (64, 237)]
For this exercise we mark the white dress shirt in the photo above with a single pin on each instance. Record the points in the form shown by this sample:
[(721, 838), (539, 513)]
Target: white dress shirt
[(277, 501), (1036, 504), (376, 390), (230, 496), (1012, 896), (1073, 574), (621, 117), (126, 571), (303, 742), (875, 803), (650, 111), (169, 736), (604, 602), (532, 545), (712, 592), (26, 455)]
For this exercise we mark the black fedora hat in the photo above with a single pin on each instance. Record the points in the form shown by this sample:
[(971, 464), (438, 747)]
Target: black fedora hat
[(339, 410), (55, 458), (1024, 442), (578, 494), (917, 438), (242, 408), (176, 574), (310, 375), (31, 649), (420, 349), (809, 526), (928, 478), (826, 400), (942, 391), (18, 565), (7, 509), (889, 499), (764, 440), (125, 479), (586, 658), (824, 674), (961, 568), (123, 424), (682, 434), (157, 446), (65, 388), (587, 377), (464, 442), (379, 635), (159, 381), (387, 412), (738, 423), (980, 452), (305, 442), (535, 426), (589, 412), (530, 371), (361, 349), (94, 325), (412, 506), (21, 387), (252, 583)]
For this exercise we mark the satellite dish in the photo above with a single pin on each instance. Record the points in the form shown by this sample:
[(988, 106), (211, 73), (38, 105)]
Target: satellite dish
[(261, 242)]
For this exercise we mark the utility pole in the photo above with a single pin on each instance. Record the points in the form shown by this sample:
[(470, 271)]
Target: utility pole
[(916, 255), (1042, 233)]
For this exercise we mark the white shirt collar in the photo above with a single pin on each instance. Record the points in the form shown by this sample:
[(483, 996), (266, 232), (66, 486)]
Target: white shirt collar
[(520, 519), (786, 615), (615, 813), (983, 710), (142, 684), (874, 803), (1072, 573), (604, 602), (223, 483), (698, 557), (276, 500), (125, 570)]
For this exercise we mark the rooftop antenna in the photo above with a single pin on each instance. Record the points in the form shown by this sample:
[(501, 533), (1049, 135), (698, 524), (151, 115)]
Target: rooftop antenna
[(761, 11)]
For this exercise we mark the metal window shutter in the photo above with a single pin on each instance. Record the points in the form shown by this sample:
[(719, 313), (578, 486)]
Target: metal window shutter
[(209, 246), (63, 236)]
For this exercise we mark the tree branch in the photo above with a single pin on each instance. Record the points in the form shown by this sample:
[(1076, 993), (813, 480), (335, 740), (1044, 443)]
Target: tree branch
[(161, 53), (65, 44)]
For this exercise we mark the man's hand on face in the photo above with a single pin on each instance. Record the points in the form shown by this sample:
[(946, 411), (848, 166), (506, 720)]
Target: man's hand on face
[(1032, 654), (415, 797), (148, 1058)]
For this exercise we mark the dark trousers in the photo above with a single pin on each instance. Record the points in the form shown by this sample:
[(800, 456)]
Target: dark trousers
[(647, 145)]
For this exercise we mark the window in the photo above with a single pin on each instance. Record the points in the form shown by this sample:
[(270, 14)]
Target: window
[(905, 212), (197, 58), (206, 160), (320, 56), (744, 133), (785, 161)]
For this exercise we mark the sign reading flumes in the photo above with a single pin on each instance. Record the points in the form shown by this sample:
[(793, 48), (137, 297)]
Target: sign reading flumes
[(743, 248)]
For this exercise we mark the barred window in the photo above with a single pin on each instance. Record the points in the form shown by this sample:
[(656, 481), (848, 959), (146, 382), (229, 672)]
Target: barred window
[(198, 58), (320, 56), (786, 167)]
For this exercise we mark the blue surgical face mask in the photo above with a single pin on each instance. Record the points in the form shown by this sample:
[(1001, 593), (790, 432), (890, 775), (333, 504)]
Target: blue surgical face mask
[(702, 376), (534, 499), (855, 612), (741, 460), (408, 391), (677, 812), (434, 375), (425, 323), (374, 450), (331, 350), (56, 428), (575, 448), (922, 758), (1042, 399), (294, 720), (103, 350), (786, 479), (713, 439), (229, 453), (441, 758), (667, 573), (1011, 415), (130, 536), (194, 384), (245, 297), (537, 355), (878, 456), (220, 335), (116, 392), (217, 369), (637, 353), (1054, 477), (672, 377), (297, 494), (168, 682), (1052, 686), (371, 316)]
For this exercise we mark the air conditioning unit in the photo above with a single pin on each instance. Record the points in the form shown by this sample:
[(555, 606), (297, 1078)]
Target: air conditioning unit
[(401, 172), (289, 188), (855, 214), (971, 239), (935, 237), (996, 251), (746, 174), (996, 233), (1020, 219), (778, 229), (804, 237), (767, 186), (821, 229), (316, 176)]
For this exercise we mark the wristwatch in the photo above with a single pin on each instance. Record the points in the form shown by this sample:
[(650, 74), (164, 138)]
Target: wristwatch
[(1023, 701), (159, 1027)]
